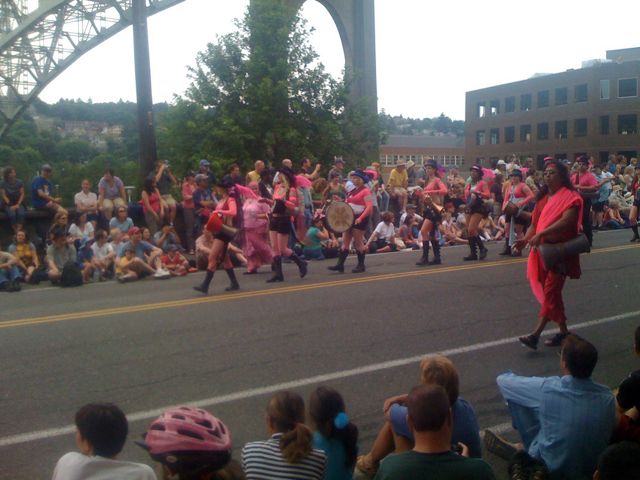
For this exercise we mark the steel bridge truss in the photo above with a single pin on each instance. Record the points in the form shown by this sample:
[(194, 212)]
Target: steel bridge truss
[(36, 47)]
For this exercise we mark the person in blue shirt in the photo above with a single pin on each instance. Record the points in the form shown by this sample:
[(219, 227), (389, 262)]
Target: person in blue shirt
[(565, 422), (42, 192)]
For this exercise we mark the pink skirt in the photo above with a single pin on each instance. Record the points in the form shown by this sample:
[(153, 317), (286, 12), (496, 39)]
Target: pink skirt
[(257, 248)]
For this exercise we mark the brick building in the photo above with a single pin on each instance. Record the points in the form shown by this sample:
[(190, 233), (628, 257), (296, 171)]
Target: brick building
[(447, 150), (592, 110)]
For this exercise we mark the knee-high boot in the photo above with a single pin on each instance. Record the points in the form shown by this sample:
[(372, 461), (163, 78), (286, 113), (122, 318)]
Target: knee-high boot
[(360, 267), (234, 285), (435, 243), (425, 254), (636, 237), (339, 267), (277, 270), (483, 250), (473, 249), (302, 264), (204, 286)]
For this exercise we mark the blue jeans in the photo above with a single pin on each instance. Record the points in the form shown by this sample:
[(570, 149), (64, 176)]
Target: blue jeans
[(9, 275), (384, 201), (526, 421), (16, 217), (313, 254)]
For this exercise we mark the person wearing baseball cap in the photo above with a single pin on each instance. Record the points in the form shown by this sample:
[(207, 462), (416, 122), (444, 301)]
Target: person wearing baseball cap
[(586, 185), (337, 170), (204, 168), (42, 192)]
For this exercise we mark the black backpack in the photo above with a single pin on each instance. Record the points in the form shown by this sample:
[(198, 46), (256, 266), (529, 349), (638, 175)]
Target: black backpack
[(71, 275)]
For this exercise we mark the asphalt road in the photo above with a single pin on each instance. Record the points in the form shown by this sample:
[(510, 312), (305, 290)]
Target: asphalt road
[(153, 344)]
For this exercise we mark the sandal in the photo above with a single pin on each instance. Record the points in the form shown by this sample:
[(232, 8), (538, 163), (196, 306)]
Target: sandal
[(556, 340), (498, 445), (530, 341), (366, 465)]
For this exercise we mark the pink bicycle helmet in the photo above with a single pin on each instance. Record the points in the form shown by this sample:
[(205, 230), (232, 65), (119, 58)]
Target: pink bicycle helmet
[(188, 439)]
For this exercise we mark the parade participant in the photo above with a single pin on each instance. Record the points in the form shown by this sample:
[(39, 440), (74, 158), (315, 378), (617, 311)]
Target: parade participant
[(475, 193), (255, 211), (286, 204), (225, 212), (433, 198), (519, 194), (633, 213), (359, 199), (586, 184), (556, 218)]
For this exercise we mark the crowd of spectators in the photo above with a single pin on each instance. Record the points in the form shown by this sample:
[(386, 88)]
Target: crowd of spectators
[(165, 252)]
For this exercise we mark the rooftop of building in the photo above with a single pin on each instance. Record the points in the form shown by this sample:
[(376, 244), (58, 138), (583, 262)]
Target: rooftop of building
[(424, 141)]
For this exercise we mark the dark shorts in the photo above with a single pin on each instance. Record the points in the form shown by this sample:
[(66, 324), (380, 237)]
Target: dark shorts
[(432, 216), (362, 225), (516, 220), (381, 243), (598, 206), (280, 225), (636, 200)]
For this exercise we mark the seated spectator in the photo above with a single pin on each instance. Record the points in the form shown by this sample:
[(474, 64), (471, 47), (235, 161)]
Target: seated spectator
[(85, 259), (189, 186), (568, 444), (334, 434), (396, 435), (87, 202), (166, 238), (450, 231), (152, 204), (121, 221), (61, 221), (398, 185), (313, 239), (26, 256), (82, 229), (147, 237), (612, 218), (42, 192), (12, 198), (289, 453), (101, 432), (103, 256), (628, 402), (111, 194), (203, 248), (174, 262), (620, 461), (170, 441), (117, 239), (405, 232), (383, 237), (146, 259), (59, 253), (165, 180), (9, 273), (411, 210), (431, 422)]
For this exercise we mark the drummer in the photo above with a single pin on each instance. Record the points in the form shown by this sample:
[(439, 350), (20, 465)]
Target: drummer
[(360, 201), (433, 199), (519, 194)]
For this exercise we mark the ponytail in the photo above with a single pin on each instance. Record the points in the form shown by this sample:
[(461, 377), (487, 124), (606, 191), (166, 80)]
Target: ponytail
[(296, 443), (286, 411)]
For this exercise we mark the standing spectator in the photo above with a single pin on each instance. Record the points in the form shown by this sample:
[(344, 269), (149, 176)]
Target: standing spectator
[(254, 175), (103, 255), (101, 432), (87, 202), (335, 190), (121, 221), (317, 192), (587, 186), (204, 168), (188, 210), (306, 172), (12, 198), (337, 170), (266, 184), (165, 180), (26, 255), (497, 195), (203, 201), (234, 173), (289, 452), (111, 194), (42, 192), (383, 201), (152, 204), (81, 229), (59, 253), (9, 273), (565, 422)]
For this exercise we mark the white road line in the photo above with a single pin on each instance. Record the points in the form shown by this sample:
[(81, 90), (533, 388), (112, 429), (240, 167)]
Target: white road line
[(328, 377)]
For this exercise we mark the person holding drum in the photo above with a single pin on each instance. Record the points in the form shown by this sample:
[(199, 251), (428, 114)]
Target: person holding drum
[(433, 199), (475, 193), (517, 196), (360, 201), (285, 205), (224, 214)]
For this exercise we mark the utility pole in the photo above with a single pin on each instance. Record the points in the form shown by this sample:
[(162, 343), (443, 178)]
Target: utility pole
[(146, 127)]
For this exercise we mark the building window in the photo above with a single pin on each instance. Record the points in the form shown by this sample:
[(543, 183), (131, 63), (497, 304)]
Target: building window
[(581, 93), (482, 110), (525, 133), (510, 104), (509, 134), (628, 124), (525, 102), (495, 136), (603, 125), (494, 107), (627, 87), (543, 99), (604, 89), (561, 129), (543, 131), (561, 96), (580, 127), (480, 137)]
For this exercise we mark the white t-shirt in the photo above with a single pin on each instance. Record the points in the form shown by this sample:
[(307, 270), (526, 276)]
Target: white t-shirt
[(86, 200), (102, 252), (385, 231), (75, 231), (76, 466)]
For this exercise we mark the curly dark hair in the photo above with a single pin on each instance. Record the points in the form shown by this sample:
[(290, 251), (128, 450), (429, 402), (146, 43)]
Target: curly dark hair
[(565, 179)]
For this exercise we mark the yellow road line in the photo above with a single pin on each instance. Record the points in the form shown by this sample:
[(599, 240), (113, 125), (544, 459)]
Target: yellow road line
[(273, 291)]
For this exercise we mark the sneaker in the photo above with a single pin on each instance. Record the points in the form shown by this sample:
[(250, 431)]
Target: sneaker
[(498, 445), (556, 340), (161, 274), (530, 341)]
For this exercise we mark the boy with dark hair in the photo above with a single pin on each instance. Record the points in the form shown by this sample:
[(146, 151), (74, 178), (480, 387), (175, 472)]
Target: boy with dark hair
[(619, 461), (101, 431)]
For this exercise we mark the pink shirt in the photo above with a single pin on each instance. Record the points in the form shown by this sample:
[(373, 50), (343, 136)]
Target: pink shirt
[(187, 195), (586, 179)]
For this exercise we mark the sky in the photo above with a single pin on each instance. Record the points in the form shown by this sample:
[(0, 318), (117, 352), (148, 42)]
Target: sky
[(429, 52)]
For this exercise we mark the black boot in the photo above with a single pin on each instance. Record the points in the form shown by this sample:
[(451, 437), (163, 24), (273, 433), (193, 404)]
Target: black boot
[(436, 252), (204, 286), (507, 249), (339, 267), (302, 264), (360, 267), (234, 285), (636, 237), (277, 270), (473, 249), (483, 249), (425, 254)]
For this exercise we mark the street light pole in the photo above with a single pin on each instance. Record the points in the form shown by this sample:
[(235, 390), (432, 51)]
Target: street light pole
[(147, 138)]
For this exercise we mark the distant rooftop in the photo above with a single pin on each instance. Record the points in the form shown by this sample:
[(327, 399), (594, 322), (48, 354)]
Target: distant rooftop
[(425, 141), (624, 55)]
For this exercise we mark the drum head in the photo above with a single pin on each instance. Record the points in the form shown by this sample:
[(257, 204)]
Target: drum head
[(339, 217)]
